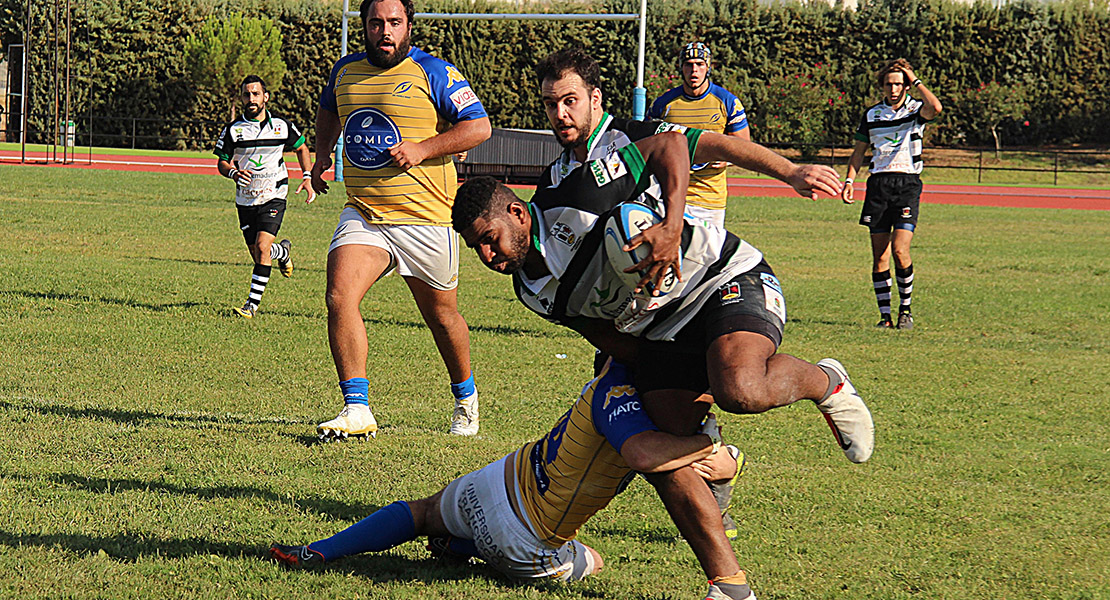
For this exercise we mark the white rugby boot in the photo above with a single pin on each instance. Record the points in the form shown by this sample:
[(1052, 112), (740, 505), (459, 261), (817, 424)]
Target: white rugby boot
[(355, 420), (464, 421), (848, 416)]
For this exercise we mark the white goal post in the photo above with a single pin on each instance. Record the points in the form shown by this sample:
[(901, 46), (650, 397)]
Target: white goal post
[(639, 94)]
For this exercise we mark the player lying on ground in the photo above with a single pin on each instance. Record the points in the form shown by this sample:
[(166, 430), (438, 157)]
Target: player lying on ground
[(521, 513)]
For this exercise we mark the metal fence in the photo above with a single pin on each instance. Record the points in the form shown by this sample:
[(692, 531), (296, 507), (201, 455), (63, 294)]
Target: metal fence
[(145, 133)]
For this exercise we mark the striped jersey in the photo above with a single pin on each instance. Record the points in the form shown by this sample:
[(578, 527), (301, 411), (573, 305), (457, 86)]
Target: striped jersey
[(717, 110), (378, 108), (569, 211), (258, 147), (575, 470), (894, 135)]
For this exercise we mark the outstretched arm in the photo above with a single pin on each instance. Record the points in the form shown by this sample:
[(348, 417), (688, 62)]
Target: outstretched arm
[(806, 179)]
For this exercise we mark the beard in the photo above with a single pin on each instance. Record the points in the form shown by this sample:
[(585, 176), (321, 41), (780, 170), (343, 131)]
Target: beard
[(250, 112), (582, 131), (387, 60), (519, 247)]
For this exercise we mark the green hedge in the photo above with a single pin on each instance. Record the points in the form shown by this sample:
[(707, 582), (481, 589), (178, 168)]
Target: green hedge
[(130, 52)]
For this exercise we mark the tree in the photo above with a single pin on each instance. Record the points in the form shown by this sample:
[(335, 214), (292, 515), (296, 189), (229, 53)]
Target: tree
[(227, 50), (988, 105)]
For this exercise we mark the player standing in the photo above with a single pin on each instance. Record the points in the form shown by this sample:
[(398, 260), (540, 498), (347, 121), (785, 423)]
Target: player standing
[(250, 153), (402, 114), (700, 103), (892, 129)]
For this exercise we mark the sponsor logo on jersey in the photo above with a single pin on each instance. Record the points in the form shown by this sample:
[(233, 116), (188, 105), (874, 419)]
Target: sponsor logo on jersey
[(617, 392), (729, 293), (626, 408), (737, 107), (563, 233), (867, 218), (453, 76), (774, 303), (615, 166), (670, 127), (600, 173), (603, 295), (771, 281), (277, 130), (893, 140), (906, 212), (255, 161), (367, 136), (463, 97), (401, 91), (716, 117)]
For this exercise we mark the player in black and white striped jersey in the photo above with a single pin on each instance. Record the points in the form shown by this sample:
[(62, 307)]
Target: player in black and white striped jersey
[(250, 152), (892, 129)]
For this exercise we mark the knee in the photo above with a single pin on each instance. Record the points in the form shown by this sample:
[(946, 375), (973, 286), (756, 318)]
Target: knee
[(743, 397), (338, 300)]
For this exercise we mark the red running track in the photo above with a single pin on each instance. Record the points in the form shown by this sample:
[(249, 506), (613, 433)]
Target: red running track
[(973, 195)]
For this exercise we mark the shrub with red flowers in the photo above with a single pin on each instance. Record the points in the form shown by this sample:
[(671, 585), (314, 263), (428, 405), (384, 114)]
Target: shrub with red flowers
[(799, 108), (981, 110)]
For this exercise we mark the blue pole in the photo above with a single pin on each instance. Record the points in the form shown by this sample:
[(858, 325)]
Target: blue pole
[(639, 103), (342, 52), (339, 158)]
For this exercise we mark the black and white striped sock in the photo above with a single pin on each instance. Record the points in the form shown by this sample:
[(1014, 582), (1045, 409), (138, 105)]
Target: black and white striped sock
[(278, 252), (259, 278), (882, 282), (905, 287)]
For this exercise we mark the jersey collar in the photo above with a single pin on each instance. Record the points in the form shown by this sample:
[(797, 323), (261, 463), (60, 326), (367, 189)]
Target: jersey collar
[(699, 96), (568, 154)]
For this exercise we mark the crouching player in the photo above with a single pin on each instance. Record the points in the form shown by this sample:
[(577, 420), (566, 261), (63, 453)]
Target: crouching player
[(521, 514)]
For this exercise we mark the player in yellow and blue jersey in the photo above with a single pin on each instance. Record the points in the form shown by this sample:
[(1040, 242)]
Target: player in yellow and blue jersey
[(700, 103), (402, 114), (522, 513)]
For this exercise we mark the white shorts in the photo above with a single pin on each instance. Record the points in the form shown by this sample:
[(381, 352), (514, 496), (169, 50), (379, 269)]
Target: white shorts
[(715, 216), (428, 252), (476, 507)]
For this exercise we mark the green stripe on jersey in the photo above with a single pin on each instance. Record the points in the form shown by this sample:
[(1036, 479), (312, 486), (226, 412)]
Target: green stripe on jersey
[(299, 143), (692, 137)]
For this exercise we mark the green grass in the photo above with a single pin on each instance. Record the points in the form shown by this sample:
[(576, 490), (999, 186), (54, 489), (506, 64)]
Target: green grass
[(154, 445)]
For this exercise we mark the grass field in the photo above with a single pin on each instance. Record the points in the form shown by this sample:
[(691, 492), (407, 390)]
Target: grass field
[(154, 445)]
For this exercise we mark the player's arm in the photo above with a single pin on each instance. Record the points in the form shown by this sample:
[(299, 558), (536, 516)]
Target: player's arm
[(461, 137), (930, 105), (807, 180), (658, 451), (232, 172), (328, 129), (304, 159), (667, 156), (854, 164)]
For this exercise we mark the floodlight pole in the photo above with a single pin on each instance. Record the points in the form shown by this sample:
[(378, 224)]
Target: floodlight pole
[(638, 94)]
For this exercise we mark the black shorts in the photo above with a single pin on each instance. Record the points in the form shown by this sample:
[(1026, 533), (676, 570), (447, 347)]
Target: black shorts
[(263, 217), (751, 301), (892, 202)]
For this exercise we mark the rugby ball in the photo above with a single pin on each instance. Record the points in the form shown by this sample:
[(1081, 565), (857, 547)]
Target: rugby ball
[(626, 223)]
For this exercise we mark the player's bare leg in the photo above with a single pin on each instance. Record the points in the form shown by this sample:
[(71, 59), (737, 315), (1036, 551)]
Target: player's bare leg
[(688, 500), (352, 270), (748, 376), (440, 311)]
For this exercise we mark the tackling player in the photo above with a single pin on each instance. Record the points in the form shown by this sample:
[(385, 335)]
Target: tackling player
[(522, 513), (249, 152)]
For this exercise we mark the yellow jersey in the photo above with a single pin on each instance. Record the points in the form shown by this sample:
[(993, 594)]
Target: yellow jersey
[(717, 110), (378, 108)]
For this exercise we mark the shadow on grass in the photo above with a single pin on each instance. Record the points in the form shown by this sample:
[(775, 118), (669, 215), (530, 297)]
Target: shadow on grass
[(134, 417), (103, 485), (222, 310), (194, 261), (666, 534)]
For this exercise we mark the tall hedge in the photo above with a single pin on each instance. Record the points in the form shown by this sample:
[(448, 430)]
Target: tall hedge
[(128, 59)]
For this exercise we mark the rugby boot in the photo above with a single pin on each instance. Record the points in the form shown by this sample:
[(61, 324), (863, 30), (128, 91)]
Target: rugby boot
[(464, 421), (715, 593), (247, 312), (885, 323), (286, 266), (905, 320), (296, 557), (722, 492), (355, 420), (848, 416)]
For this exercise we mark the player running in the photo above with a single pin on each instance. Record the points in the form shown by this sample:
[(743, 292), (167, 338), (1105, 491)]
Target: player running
[(250, 153), (522, 513)]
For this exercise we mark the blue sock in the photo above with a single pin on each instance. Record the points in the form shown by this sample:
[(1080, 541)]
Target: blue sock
[(389, 526), (463, 547), (356, 390), (464, 389)]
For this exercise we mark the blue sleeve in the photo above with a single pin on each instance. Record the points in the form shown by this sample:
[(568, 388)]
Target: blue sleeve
[(327, 96), (451, 92), (736, 117), (618, 412), (657, 108)]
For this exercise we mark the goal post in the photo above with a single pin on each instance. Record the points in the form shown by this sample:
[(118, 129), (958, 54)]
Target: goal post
[(639, 94)]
